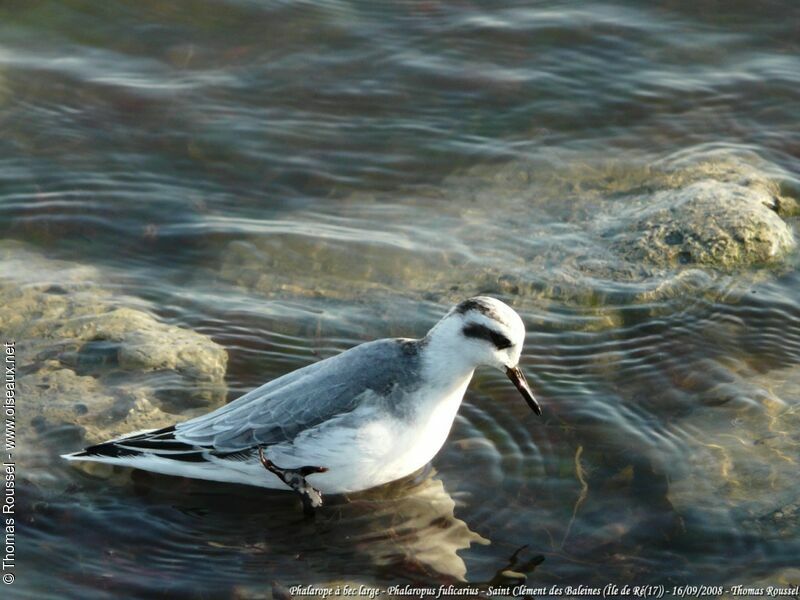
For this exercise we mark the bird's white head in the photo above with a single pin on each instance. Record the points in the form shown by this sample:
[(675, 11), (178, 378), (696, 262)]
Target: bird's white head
[(485, 331)]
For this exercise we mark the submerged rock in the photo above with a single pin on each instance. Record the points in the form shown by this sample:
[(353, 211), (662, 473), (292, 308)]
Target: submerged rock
[(55, 396), (741, 458), (144, 344), (302, 265), (87, 360), (590, 235)]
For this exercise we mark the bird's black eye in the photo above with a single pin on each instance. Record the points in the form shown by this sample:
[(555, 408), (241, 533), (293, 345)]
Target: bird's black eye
[(475, 330)]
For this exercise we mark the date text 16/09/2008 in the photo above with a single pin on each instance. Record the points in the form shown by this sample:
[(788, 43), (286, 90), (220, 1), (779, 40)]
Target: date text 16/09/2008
[(610, 590)]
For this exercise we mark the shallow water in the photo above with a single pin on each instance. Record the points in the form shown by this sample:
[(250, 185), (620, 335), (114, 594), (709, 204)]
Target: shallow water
[(291, 179)]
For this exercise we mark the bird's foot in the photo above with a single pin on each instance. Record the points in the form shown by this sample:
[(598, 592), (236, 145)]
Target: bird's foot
[(296, 479)]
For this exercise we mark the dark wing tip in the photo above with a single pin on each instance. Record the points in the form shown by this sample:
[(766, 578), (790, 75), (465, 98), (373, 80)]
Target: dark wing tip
[(110, 450), (136, 445)]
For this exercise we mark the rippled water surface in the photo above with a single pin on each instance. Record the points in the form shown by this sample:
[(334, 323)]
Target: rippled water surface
[(289, 179)]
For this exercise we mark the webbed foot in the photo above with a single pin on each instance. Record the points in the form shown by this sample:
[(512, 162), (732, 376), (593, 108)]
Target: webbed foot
[(296, 479)]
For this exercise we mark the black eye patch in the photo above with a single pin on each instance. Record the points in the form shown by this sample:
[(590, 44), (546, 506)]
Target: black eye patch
[(474, 330)]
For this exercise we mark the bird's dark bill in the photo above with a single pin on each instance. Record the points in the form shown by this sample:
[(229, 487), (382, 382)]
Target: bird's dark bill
[(519, 381)]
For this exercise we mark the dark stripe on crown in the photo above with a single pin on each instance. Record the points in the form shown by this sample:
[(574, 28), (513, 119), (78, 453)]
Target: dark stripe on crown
[(480, 306), (474, 330)]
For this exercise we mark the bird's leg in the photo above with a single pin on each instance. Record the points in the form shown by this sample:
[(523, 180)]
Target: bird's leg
[(296, 479)]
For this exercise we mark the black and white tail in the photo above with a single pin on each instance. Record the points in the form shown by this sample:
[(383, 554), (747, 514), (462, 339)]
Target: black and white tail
[(159, 451)]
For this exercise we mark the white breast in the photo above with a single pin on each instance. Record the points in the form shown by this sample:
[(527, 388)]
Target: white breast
[(416, 444), (382, 450)]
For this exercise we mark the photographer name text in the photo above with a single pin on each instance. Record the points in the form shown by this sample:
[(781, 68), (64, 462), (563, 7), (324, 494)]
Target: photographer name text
[(9, 464)]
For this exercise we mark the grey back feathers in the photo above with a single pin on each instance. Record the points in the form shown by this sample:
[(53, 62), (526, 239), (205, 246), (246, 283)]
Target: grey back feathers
[(301, 400)]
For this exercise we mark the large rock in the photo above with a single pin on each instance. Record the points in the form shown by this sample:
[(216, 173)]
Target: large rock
[(714, 223), (697, 208)]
